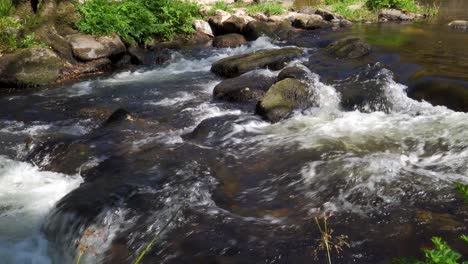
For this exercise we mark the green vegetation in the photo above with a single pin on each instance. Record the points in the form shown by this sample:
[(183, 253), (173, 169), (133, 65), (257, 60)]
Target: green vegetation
[(442, 253), (12, 36), (358, 10), (463, 190), (6, 7), (342, 7), (138, 20), (220, 5), (269, 8)]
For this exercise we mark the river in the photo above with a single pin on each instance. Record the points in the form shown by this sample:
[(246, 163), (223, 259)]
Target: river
[(237, 189)]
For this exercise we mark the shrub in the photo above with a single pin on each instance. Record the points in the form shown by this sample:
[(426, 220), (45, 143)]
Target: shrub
[(9, 30), (269, 8), (137, 20)]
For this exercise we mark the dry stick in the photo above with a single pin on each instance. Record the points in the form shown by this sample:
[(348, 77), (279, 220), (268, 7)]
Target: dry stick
[(150, 244)]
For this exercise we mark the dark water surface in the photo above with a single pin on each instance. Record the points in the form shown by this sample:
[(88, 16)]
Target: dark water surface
[(243, 190)]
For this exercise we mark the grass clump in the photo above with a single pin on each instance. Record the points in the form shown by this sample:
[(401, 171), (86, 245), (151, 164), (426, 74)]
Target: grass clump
[(6, 7), (220, 5), (342, 7), (268, 8), (408, 5), (137, 20)]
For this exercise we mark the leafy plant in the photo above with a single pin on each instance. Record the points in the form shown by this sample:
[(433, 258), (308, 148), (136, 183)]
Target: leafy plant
[(269, 8), (29, 41), (137, 20), (441, 253), (6, 7), (409, 5)]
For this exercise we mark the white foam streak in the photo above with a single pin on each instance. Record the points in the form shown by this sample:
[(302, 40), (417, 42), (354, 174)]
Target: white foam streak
[(26, 196)]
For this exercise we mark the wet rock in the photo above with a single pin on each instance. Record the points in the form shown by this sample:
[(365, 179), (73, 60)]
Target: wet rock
[(138, 54), (297, 71), (282, 99), (203, 27), (229, 40), (273, 30), (349, 48), (219, 126), (87, 47), (273, 59), (244, 88), (365, 91), (438, 221), (459, 24), (117, 116), (440, 91), (309, 22), (327, 15), (30, 67), (92, 66), (387, 14), (163, 56)]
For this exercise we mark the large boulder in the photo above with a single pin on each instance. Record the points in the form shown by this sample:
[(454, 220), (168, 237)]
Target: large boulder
[(349, 48), (87, 47), (282, 99), (274, 30), (30, 67), (305, 21), (216, 21), (230, 40), (459, 24), (274, 59), (245, 88)]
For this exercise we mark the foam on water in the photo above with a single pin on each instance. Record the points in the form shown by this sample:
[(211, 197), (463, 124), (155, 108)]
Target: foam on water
[(376, 157), (184, 65), (26, 196)]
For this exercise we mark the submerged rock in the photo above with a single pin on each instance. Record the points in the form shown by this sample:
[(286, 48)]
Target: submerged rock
[(87, 47), (282, 98), (459, 24), (349, 48), (244, 88), (229, 40), (30, 67), (273, 59)]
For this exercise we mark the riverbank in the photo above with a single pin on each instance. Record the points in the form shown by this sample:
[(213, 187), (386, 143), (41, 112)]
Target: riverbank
[(58, 42)]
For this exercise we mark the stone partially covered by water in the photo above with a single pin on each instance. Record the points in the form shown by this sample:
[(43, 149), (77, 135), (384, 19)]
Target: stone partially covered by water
[(273, 59)]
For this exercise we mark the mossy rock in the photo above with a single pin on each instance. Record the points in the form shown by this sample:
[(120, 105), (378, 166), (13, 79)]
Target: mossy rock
[(282, 99), (30, 67), (229, 40), (349, 48), (49, 35), (274, 59)]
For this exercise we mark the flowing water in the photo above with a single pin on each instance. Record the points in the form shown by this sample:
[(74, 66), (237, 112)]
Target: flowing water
[(241, 190)]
